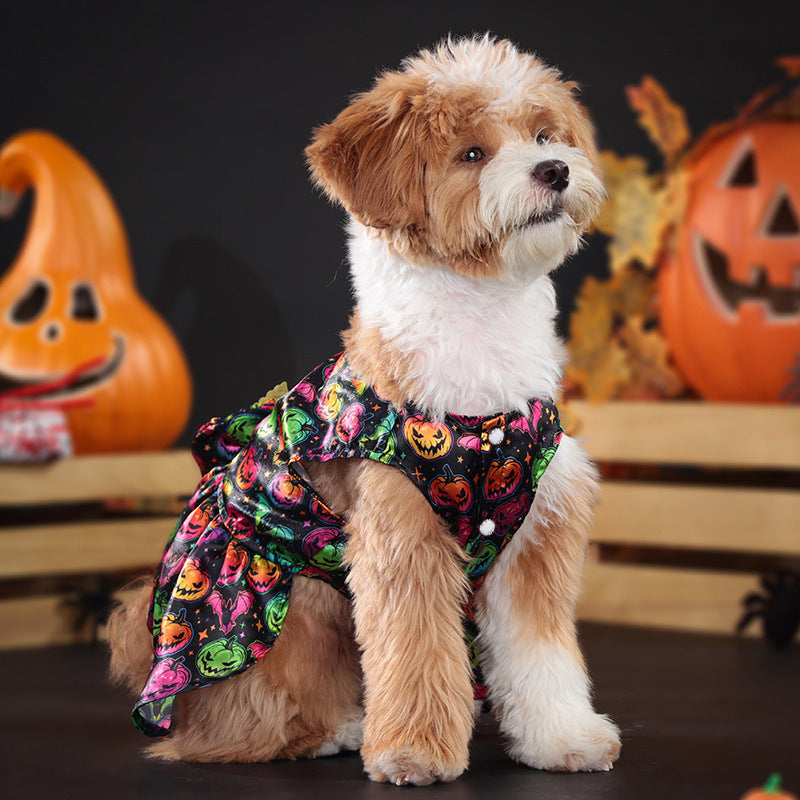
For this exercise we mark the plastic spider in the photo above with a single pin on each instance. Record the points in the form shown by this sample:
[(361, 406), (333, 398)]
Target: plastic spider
[(778, 607)]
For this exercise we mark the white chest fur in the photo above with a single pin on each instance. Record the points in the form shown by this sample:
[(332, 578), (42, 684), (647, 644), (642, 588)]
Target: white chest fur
[(476, 346)]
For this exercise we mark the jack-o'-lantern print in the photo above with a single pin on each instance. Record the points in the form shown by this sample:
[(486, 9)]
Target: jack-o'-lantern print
[(168, 677), (447, 490), (286, 490), (262, 574), (175, 633), (74, 332), (503, 478), (193, 582), (292, 532), (297, 426), (221, 658), (730, 300), (428, 438), (236, 561)]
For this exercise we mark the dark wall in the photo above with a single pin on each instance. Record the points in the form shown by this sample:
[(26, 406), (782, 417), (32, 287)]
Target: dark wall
[(196, 116)]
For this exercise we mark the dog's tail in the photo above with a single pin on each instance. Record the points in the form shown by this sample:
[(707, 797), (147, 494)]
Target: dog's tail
[(129, 639)]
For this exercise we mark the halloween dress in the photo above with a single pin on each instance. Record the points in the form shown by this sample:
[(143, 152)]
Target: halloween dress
[(222, 589)]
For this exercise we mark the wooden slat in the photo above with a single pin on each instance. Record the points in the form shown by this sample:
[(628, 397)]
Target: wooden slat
[(35, 622), (97, 478), (698, 517), (663, 597), (83, 547), (724, 435)]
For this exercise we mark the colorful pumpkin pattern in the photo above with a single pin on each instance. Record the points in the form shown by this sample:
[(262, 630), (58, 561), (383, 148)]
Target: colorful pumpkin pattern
[(221, 593)]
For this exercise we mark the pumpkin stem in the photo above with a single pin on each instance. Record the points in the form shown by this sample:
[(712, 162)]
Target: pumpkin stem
[(773, 784)]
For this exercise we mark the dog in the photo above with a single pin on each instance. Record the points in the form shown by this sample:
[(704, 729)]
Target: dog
[(410, 518)]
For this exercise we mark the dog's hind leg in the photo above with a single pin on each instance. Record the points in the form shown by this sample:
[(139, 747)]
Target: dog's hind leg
[(301, 699), (531, 660), (408, 584)]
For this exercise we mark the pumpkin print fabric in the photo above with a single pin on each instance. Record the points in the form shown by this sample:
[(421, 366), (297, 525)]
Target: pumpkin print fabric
[(255, 521)]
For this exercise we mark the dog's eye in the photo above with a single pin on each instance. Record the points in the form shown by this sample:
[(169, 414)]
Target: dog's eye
[(542, 138), (473, 155)]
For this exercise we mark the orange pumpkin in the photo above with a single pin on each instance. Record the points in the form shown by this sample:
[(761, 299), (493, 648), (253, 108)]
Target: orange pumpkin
[(73, 329), (193, 583), (175, 633), (770, 791), (428, 438), (730, 302)]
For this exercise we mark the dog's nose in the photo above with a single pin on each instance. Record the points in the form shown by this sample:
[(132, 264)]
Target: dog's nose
[(554, 174)]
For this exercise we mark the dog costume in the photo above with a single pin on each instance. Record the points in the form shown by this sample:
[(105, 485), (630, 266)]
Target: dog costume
[(222, 590)]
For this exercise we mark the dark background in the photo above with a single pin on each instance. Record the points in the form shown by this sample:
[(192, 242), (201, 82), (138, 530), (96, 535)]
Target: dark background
[(196, 115)]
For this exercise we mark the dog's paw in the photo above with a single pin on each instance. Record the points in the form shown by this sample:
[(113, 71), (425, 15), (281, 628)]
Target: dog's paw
[(411, 767), (589, 743), (349, 737)]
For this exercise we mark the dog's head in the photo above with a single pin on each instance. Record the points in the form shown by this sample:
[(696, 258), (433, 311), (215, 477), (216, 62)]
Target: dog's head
[(475, 156)]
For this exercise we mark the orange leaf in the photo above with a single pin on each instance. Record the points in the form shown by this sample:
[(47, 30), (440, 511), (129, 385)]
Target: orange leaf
[(664, 121), (791, 65)]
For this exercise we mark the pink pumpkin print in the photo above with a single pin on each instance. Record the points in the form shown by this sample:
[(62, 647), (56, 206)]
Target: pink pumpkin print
[(351, 423), (512, 510), (318, 539), (306, 391), (236, 561), (238, 522), (247, 472), (168, 677), (286, 490), (196, 522)]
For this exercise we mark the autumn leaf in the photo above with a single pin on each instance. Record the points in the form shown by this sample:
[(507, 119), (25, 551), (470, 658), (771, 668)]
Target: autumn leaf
[(651, 375), (790, 64), (633, 217), (602, 376), (663, 120)]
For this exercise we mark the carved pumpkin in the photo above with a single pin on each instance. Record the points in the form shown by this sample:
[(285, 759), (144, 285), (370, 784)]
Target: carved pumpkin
[(451, 491), (193, 583), (175, 633), (770, 791), (502, 478), (221, 658), (73, 329), (730, 302), (428, 438)]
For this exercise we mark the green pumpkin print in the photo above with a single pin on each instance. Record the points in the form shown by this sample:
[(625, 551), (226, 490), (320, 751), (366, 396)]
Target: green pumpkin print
[(275, 612), (221, 658), (297, 426)]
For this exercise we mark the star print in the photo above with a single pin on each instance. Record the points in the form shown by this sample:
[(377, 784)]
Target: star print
[(201, 635)]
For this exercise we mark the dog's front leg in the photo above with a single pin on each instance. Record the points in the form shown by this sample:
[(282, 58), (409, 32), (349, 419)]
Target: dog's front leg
[(532, 663), (407, 579)]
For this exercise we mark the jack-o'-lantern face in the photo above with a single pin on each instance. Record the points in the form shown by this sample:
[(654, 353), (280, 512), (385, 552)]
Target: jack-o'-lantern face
[(221, 658), (193, 583), (262, 574), (451, 491), (175, 633), (428, 439), (730, 290), (74, 330), (502, 478)]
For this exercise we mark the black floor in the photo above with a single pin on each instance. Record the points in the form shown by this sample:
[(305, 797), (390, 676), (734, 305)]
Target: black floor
[(702, 718)]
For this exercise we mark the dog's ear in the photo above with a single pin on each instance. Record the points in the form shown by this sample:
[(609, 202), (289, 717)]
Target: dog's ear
[(371, 158), (580, 126)]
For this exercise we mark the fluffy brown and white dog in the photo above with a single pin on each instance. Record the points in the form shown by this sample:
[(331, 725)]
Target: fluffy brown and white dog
[(469, 175)]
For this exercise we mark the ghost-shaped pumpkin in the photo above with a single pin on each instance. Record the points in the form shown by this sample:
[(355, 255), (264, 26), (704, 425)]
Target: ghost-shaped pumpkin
[(730, 287), (74, 331)]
